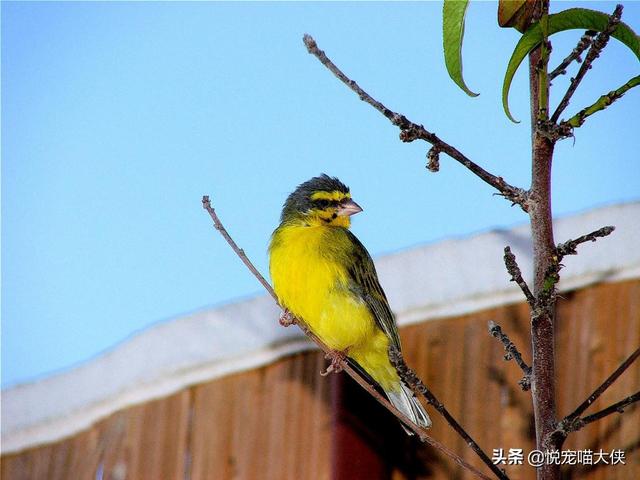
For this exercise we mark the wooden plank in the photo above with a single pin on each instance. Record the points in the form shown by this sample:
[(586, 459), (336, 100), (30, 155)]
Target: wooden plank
[(258, 424), (277, 422), (606, 322), (18, 466), (72, 458), (148, 441)]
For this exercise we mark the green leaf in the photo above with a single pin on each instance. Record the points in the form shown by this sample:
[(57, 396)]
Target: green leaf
[(453, 13), (574, 18)]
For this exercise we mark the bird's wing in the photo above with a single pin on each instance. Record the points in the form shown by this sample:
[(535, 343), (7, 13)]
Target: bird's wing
[(364, 283)]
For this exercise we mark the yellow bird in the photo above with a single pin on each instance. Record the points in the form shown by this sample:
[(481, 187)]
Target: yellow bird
[(322, 274)]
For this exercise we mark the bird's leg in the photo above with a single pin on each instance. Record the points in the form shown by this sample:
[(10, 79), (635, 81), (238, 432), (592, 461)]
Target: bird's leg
[(286, 318), (337, 362)]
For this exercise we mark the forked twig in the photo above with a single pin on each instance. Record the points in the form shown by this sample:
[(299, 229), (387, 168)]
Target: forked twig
[(617, 407), (421, 432), (594, 52), (606, 384), (573, 422)]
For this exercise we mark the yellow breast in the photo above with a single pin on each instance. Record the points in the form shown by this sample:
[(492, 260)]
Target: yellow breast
[(313, 285)]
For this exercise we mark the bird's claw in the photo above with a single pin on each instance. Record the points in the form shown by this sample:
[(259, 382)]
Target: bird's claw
[(337, 362), (286, 318)]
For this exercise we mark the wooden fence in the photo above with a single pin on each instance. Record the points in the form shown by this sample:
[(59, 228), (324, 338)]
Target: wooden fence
[(284, 421)]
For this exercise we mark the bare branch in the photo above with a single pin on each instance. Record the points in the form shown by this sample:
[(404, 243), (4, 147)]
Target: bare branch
[(516, 275), (440, 447), (583, 44), (410, 131), (594, 52), (603, 102), (617, 407), (206, 204), (569, 247), (573, 422), (412, 380), (552, 276), (601, 389), (568, 425), (289, 318), (512, 353)]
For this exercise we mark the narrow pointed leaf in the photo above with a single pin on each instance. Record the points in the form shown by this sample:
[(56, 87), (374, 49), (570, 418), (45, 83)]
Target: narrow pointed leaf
[(572, 19), (453, 13)]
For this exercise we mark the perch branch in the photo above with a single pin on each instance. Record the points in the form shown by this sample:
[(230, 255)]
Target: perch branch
[(603, 102), (412, 380), (410, 131), (421, 432), (512, 353), (516, 275), (206, 204), (594, 52), (583, 44)]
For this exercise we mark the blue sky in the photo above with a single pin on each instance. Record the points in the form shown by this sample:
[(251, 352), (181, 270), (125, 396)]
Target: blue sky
[(118, 117)]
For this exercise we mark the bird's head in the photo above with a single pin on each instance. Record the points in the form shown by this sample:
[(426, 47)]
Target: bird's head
[(323, 200)]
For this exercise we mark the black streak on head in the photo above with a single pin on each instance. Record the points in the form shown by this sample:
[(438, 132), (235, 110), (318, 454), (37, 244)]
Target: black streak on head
[(299, 202)]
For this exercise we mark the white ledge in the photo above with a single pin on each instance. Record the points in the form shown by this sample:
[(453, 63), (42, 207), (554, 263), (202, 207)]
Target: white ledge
[(452, 277)]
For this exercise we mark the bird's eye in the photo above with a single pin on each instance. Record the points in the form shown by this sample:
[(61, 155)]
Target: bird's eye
[(322, 203)]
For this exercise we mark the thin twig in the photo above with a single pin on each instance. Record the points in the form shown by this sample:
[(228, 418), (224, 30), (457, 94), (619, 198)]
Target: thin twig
[(412, 380), (421, 432), (552, 275), (603, 102), (569, 247), (573, 422), (410, 131), (583, 44), (440, 447), (546, 296), (606, 384), (617, 407), (566, 426), (512, 354), (206, 204), (516, 275), (594, 52)]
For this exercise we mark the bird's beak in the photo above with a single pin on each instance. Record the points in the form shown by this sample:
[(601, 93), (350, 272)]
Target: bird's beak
[(349, 208)]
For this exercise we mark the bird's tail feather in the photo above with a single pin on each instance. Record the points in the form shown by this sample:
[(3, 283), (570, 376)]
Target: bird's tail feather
[(407, 403)]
